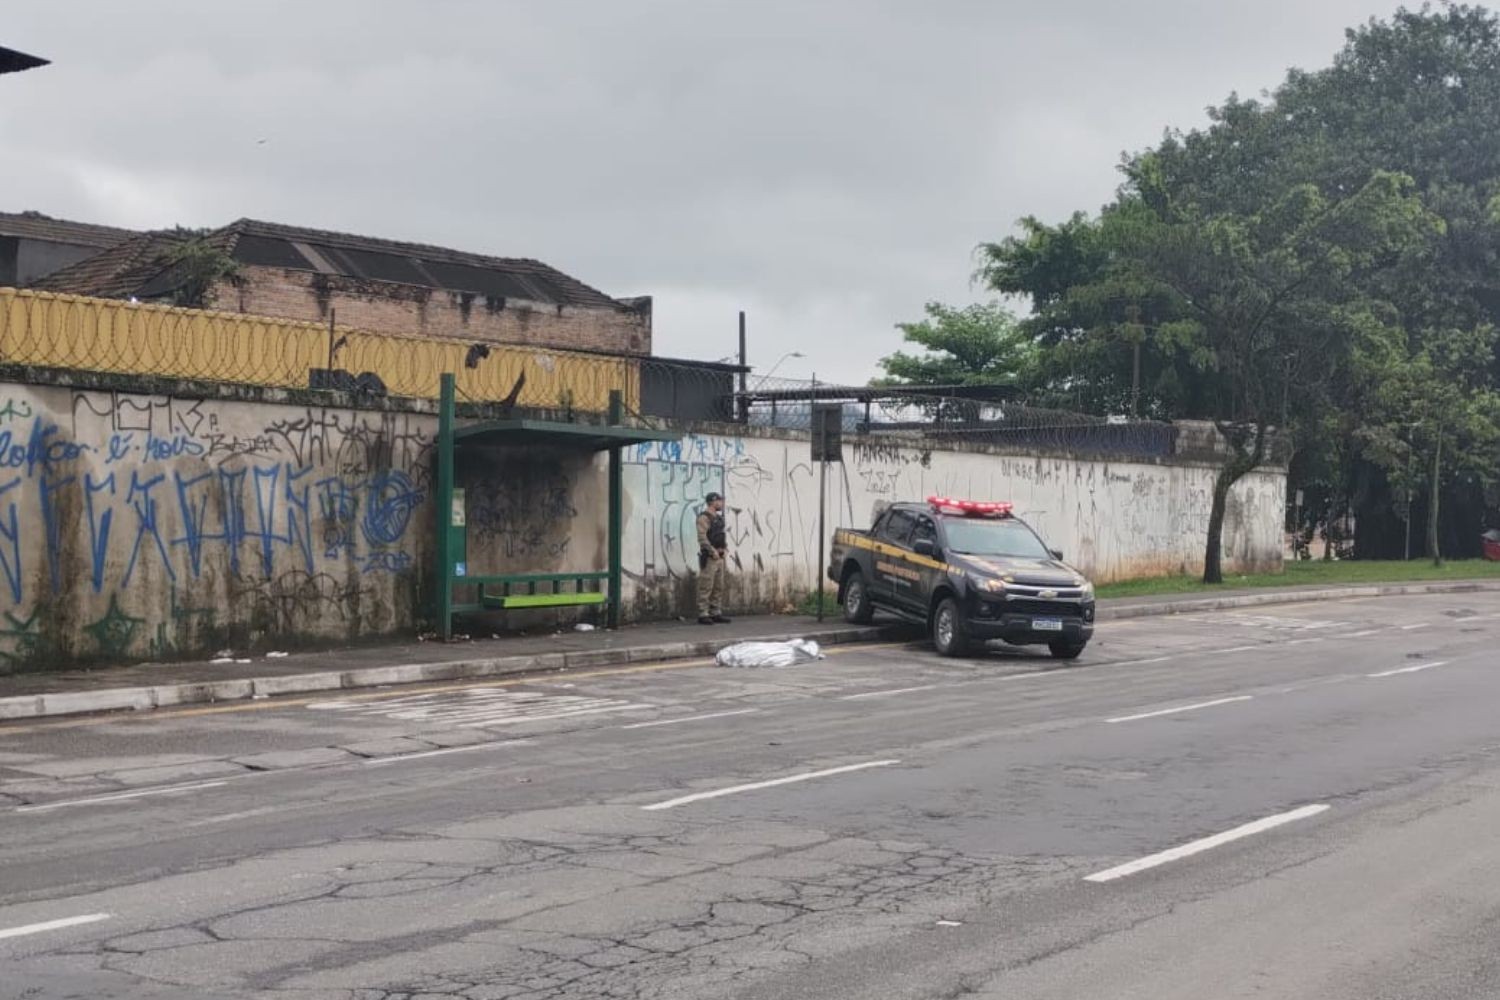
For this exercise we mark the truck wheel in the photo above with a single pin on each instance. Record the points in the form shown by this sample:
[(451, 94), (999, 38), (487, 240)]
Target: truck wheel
[(857, 607), (1066, 650), (949, 633)]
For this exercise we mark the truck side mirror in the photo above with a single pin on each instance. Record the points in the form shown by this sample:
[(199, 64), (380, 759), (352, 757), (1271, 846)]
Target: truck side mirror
[(1056, 554), (925, 547)]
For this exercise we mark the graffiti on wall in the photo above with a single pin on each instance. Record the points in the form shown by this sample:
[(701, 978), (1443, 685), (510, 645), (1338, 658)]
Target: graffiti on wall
[(121, 504), (1112, 519)]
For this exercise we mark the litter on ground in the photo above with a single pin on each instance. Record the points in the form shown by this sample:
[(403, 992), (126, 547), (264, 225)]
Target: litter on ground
[(769, 654)]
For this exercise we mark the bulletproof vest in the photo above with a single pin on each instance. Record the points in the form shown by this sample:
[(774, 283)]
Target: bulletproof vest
[(716, 536)]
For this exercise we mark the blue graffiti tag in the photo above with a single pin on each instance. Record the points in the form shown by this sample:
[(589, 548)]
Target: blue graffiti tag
[(47, 490), (99, 525), (139, 498), (390, 500), (10, 555)]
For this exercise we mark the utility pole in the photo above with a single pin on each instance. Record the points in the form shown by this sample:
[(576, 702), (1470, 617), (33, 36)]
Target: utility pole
[(744, 411), (1135, 381)]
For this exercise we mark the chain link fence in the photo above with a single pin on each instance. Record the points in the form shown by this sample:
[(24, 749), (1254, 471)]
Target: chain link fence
[(985, 414)]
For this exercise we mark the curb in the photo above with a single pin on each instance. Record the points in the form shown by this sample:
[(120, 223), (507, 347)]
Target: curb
[(1190, 604), (208, 692), (198, 693)]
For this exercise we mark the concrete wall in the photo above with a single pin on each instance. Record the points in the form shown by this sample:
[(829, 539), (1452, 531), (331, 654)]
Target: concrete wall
[(136, 526), (390, 307), (1114, 520)]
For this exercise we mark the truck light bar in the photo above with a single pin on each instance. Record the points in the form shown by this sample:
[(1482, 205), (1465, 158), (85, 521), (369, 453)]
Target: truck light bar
[(970, 508)]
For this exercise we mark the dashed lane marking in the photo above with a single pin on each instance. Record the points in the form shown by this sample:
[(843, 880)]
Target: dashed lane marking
[(690, 718), (772, 783), (1180, 708), (1207, 843), (121, 796), (53, 925), (887, 692), (1410, 670)]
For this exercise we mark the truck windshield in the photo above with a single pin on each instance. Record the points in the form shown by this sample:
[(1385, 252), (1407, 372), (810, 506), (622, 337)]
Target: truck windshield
[(975, 537)]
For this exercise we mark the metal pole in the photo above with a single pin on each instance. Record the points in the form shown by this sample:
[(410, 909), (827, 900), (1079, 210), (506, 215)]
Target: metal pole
[(443, 606), (616, 513), (822, 527), (1135, 382), (1410, 452), (331, 314), (744, 413), (817, 429)]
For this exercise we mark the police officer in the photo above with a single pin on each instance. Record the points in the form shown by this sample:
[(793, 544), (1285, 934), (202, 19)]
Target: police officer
[(713, 551)]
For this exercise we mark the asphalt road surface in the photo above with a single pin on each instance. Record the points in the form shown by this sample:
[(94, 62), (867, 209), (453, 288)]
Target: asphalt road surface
[(1297, 802)]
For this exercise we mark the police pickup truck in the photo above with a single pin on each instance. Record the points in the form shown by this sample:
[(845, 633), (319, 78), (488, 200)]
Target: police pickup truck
[(970, 571)]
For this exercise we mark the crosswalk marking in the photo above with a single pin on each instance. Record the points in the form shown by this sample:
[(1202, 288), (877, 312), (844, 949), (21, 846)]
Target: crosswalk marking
[(1272, 622), (482, 707)]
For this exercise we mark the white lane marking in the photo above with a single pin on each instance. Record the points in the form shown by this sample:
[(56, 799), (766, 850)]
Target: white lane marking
[(1180, 708), (1303, 642), (757, 785), (1136, 663), (1410, 670), (236, 816), (1408, 628), (507, 720), (53, 925), (1237, 649), (887, 692), (1361, 635), (1207, 843), (120, 797), (690, 718), (398, 758)]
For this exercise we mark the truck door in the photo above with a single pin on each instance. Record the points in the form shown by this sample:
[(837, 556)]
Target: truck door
[(894, 533), (919, 593)]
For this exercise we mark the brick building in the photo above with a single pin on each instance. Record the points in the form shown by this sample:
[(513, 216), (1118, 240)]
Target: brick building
[(374, 284)]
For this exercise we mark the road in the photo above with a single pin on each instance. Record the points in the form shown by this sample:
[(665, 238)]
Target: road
[(1296, 802)]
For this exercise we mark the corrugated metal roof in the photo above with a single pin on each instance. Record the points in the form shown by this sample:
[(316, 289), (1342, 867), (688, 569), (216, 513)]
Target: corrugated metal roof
[(138, 266), (273, 245), (36, 226)]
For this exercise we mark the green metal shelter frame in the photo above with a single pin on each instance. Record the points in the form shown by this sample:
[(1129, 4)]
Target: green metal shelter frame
[(526, 590)]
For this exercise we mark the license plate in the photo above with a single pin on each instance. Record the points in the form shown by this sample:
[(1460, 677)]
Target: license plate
[(1047, 624)]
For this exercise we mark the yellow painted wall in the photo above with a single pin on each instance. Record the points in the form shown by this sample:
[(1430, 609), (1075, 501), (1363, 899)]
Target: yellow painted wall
[(67, 331)]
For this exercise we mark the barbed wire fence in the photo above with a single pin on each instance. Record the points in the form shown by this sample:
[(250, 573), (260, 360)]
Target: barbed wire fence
[(979, 414), (100, 335)]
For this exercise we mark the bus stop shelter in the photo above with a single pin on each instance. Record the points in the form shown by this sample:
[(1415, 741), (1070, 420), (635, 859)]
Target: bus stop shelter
[(499, 592)]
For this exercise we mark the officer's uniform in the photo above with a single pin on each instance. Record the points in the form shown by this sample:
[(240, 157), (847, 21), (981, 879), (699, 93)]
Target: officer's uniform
[(712, 544)]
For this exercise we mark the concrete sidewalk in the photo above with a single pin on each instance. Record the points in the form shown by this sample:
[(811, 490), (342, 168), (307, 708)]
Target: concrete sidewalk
[(159, 685)]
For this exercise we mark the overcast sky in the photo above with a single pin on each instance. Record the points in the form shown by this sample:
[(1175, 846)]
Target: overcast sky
[(826, 166)]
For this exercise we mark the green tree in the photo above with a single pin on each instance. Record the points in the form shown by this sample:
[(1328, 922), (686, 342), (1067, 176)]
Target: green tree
[(197, 266), (979, 344), (1430, 398), (1275, 295), (1106, 341)]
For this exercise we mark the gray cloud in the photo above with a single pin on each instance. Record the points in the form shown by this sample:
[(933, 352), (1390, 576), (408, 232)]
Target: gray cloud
[(826, 166)]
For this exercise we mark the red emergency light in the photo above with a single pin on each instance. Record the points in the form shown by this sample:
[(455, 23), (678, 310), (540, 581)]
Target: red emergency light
[(970, 508)]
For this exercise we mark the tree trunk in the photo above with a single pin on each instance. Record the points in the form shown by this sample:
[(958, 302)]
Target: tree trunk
[(1328, 533), (1433, 544), (1213, 557), (1234, 469)]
